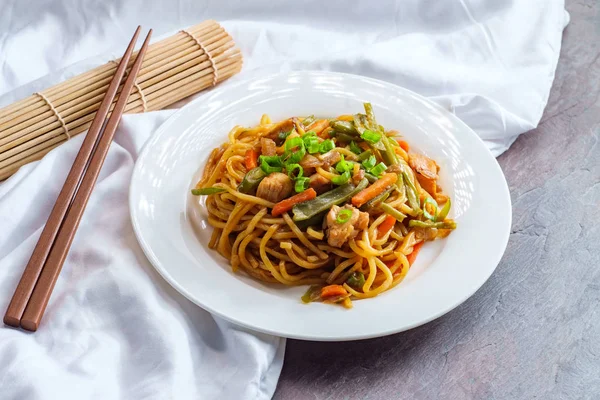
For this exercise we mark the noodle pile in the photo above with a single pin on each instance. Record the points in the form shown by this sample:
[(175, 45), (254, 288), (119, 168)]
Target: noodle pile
[(277, 249)]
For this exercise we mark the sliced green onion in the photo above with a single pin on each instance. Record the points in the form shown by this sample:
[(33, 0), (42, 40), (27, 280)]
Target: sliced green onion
[(343, 165), (369, 163), (443, 212), (301, 184), (326, 145), (389, 210), (308, 134), (292, 156), (311, 142), (343, 216), (270, 164), (370, 136), (312, 294), (284, 135), (354, 148), (426, 214), (207, 191), (290, 170), (341, 179), (378, 169)]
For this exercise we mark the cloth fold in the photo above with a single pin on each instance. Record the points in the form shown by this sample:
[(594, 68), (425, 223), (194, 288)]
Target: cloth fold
[(113, 327)]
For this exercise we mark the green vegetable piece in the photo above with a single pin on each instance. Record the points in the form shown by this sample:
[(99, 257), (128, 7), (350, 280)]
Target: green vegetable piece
[(312, 294), (325, 201), (370, 177), (251, 180), (378, 169), (370, 136), (359, 123), (369, 163), (354, 148), (290, 171), (376, 201), (389, 210), (301, 184), (429, 224), (356, 280), (343, 165), (326, 146), (411, 192), (343, 216), (444, 211), (341, 179), (426, 214), (342, 137), (207, 191), (388, 154), (364, 155), (270, 164), (308, 120), (316, 220), (346, 127), (371, 122)]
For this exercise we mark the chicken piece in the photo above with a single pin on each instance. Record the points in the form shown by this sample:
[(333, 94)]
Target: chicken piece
[(358, 176), (268, 147), (340, 233), (423, 165), (319, 183), (283, 126), (309, 164), (330, 158), (275, 187), (427, 184)]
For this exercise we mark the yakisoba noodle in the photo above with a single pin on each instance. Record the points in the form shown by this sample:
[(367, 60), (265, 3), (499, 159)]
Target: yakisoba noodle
[(340, 204)]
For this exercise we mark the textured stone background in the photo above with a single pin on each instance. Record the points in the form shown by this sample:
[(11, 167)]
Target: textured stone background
[(533, 330)]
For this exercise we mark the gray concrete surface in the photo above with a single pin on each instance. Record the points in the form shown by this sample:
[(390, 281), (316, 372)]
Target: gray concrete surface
[(533, 330)]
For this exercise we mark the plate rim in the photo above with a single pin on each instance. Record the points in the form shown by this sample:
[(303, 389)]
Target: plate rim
[(146, 248)]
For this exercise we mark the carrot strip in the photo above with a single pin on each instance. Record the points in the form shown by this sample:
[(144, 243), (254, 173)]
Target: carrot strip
[(333, 290), (404, 145), (287, 204), (250, 159), (372, 191), (387, 224), (412, 256), (318, 126)]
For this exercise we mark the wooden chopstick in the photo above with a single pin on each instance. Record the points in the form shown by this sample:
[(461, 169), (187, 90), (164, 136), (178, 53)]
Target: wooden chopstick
[(55, 240)]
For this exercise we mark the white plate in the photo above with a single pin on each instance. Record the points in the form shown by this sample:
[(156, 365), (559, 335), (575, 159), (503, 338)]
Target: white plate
[(446, 273)]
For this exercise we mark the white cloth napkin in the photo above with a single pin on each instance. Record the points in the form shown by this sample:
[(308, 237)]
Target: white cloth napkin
[(114, 328)]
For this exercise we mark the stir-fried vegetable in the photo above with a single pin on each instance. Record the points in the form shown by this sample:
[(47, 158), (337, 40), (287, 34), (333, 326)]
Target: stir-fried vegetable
[(251, 180), (389, 210), (344, 127), (378, 187), (250, 159), (356, 280), (343, 216), (411, 192), (444, 211), (287, 204), (386, 226), (207, 191), (325, 201), (428, 224), (308, 120), (376, 201)]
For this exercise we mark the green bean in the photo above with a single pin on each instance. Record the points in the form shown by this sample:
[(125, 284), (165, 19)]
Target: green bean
[(251, 180), (308, 120), (364, 155), (388, 154), (344, 127), (411, 192), (372, 123), (389, 210), (370, 177), (358, 123), (324, 202), (377, 200), (312, 221), (428, 224), (342, 137), (356, 280)]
